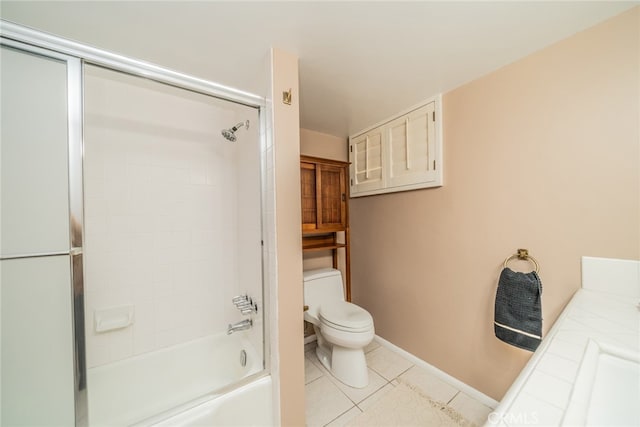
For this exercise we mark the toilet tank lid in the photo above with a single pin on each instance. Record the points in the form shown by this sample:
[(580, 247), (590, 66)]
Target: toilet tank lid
[(320, 273)]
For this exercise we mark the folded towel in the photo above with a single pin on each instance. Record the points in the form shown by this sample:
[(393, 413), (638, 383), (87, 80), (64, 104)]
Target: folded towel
[(518, 312)]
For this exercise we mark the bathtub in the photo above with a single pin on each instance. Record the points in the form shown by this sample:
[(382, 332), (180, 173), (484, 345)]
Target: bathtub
[(157, 386), (249, 405)]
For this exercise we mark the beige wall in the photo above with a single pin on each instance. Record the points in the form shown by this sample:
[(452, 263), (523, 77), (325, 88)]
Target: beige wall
[(542, 154), (322, 145), (289, 356)]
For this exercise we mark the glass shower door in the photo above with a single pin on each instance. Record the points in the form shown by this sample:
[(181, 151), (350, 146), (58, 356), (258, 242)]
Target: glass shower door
[(39, 380)]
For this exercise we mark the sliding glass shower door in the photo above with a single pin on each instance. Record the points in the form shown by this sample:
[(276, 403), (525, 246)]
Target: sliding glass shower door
[(40, 239)]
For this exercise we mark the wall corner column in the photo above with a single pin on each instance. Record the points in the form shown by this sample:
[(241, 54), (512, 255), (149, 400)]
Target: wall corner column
[(289, 358)]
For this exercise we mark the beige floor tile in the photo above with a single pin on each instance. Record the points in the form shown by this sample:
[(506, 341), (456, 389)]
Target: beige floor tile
[(311, 371), (375, 397), (357, 395), (387, 363), (430, 385), (343, 419), (324, 402), (470, 408), (372, 346)]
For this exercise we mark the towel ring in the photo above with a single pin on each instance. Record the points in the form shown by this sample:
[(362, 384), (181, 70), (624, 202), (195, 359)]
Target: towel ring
[(522, 254)]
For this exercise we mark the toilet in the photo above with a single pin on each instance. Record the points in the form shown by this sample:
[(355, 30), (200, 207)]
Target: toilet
[(342, 329)]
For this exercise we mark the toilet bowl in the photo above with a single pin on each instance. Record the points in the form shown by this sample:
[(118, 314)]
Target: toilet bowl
[(342, 329)]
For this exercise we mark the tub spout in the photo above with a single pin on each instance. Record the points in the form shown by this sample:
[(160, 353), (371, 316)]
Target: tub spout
[(239, 326)]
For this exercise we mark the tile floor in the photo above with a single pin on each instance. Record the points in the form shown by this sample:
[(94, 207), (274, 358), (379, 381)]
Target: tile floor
[(332, 403)]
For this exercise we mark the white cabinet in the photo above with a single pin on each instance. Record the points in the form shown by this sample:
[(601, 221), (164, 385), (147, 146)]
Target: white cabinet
[(403, 153)]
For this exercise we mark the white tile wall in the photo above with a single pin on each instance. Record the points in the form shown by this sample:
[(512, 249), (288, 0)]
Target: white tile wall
[(617, 276), (172, 214)]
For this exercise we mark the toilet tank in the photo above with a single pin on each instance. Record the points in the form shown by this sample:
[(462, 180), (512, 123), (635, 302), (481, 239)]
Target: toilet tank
[(321, 285)]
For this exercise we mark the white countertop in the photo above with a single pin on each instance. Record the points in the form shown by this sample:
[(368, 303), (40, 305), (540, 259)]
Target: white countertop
[(553, 386)]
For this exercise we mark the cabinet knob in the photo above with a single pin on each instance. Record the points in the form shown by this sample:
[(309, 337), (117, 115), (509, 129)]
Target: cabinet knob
[(344, 197)]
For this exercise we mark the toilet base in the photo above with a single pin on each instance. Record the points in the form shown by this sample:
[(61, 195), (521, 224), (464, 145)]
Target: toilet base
[(346, 364), (350, 366)]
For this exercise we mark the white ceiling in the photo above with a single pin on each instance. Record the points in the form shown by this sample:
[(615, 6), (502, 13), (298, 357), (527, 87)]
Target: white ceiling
[(360, 62)]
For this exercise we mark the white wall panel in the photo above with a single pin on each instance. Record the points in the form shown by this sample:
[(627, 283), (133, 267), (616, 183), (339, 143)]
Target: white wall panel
[(34, 156), (37, 342)]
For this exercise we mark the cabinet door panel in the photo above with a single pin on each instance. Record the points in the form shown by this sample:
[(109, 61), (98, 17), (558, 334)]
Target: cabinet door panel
[(366, 156), (331, 184), (34, 185), (36, 367), (412, 147)]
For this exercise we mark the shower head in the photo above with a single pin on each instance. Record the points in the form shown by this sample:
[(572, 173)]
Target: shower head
[(230, 134)]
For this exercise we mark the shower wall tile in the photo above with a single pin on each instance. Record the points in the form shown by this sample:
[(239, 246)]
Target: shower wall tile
[(164, 201)]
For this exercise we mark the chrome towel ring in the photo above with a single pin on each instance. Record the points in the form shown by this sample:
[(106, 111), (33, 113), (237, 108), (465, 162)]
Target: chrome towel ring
[(523, 254)]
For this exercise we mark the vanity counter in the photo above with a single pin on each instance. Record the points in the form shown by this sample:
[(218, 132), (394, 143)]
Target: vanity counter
[(587, 369)]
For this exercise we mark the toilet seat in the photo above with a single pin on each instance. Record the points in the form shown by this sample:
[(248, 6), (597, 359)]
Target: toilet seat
[(344, 316)]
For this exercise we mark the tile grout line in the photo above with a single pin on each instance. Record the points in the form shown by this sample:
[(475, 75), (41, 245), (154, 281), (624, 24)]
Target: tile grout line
[(454, 396), (354, 406), (313, 380)]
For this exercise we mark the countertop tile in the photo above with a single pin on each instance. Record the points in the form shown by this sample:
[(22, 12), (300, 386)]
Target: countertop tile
[(558, 367), (567, 350), (548, 388), (527, 410)]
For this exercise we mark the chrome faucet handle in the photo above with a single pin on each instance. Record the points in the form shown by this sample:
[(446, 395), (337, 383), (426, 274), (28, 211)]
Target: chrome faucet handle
[(247, 311), (240, 298)]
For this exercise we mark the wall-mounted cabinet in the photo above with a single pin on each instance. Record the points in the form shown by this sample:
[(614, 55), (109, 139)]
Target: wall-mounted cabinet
[(402, 153), (324, 195), (325, 210)]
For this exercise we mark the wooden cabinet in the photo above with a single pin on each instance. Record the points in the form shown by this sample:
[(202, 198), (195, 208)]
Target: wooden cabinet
[(325, 210), (324, 195)]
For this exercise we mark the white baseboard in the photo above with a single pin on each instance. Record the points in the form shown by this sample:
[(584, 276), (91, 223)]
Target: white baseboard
[(465, 388)]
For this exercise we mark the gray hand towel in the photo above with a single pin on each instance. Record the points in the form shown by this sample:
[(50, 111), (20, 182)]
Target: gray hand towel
[(518, 309)]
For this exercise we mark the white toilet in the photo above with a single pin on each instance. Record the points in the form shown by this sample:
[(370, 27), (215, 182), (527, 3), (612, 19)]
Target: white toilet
[(342, 329)]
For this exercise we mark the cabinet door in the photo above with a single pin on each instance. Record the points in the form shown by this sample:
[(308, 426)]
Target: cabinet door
[(36, 369), (331, 197), (308, 196), (411, 145), (366, 157), (34, 184)]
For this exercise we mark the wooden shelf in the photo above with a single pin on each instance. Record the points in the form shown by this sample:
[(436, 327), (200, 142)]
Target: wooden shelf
[(321, 247), (320, 242)]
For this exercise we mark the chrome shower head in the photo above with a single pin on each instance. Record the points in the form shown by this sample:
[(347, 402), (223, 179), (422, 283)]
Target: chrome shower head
[(230, 134)]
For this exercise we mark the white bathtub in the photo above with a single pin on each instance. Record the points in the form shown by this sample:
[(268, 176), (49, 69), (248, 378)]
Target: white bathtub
[(250, 405), (155, 386)]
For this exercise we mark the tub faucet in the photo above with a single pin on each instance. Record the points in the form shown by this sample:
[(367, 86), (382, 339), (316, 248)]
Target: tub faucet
[(239, 326)]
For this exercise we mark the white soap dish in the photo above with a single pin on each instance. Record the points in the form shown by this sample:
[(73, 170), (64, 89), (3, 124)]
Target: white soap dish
[(109, 319)]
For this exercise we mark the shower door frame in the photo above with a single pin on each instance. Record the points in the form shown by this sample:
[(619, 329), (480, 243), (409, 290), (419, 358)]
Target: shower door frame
[(76, 214), (77, 55)]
